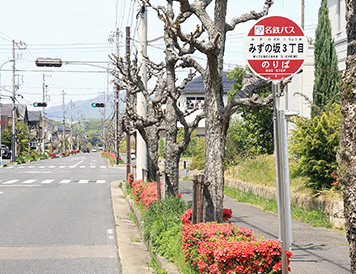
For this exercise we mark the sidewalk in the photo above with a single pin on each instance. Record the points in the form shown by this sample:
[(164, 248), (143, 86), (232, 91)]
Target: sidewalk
[(316, 250), (133, 253)]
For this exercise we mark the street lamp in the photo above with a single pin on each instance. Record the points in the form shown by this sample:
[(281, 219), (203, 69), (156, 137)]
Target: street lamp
[(1, 106)]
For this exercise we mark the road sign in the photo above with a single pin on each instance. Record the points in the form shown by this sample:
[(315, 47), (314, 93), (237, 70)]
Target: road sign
[(275, 48)]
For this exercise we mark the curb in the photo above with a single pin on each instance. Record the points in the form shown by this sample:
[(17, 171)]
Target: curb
[(144, 247)]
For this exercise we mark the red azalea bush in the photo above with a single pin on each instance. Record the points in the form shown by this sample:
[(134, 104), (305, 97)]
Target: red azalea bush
[(52, 155), (187, 216), (145, 193), (224, 248)]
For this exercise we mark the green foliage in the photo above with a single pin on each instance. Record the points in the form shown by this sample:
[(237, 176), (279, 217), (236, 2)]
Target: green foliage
[(198, 161), (190, 151), (326, 89), (252, 132), (313, 216), (162, 226), (314, 143)]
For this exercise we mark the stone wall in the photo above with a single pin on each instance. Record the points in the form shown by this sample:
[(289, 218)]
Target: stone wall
[(335, 209)]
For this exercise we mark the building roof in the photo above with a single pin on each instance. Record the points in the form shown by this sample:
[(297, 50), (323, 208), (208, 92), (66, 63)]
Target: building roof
[(60, 128), (196, 86), (6, 110), (34, 115)]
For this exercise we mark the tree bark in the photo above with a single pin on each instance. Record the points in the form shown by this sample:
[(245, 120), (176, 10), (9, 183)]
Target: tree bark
[(346, 155)]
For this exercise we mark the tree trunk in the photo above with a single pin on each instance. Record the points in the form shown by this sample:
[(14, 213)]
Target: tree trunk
[(347, 150), (152, 153), (172, 153), (215, 132)]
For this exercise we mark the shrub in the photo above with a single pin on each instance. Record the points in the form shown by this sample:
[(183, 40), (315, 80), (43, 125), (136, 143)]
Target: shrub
[(162, 226), (187, 216), (314, 143), (224, 248)]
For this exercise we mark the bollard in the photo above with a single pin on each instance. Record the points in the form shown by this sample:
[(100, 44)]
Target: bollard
[(159, 186)]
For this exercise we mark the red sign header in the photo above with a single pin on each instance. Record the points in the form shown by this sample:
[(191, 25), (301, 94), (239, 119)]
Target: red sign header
[(275, 48)]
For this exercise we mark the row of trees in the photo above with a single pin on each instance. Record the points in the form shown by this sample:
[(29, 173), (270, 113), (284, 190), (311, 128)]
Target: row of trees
[(209, 39), (180, 47)]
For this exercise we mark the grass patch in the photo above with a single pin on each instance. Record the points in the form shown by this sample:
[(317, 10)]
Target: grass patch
[(312, 216)]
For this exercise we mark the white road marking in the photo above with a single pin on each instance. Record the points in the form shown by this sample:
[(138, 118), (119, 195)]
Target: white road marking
[(61, 166), (92, 166), (102, 166), (39, 172), (1, 192), (83, 181), (51, 166), (100, 181), (21, 167), (29, 181), (18, 185), (82, 167), (77, 163), (64, 181), (41, 167), (47, 181), (31, 167), (110, 233), (10, 182)]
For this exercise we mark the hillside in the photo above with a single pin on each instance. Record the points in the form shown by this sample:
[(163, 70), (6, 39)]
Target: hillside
[(84, 107)]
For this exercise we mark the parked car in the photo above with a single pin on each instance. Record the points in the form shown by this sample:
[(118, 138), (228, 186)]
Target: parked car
[(5, 152), (86, 150)]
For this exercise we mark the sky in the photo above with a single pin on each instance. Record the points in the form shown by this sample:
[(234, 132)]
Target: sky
[(78, 32)]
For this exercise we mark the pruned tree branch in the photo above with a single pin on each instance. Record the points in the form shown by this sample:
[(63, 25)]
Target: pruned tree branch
[(253, 15)]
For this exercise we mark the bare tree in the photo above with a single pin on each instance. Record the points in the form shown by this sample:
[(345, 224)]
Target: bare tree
[(217, 114), (347, 149)]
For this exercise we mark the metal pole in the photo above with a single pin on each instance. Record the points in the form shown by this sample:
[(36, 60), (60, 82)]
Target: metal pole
[(128, 145), (43, 114), (13, 136), (141, 155), (104, 121), (302, 20), (64, 121), (71, 125), (282, 179)]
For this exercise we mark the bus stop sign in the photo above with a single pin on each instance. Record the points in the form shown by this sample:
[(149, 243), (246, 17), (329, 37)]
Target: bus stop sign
[(275, 48)]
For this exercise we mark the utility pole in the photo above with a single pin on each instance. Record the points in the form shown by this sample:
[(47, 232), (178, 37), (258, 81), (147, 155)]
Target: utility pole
[(64, 122), (79, 135), (44, 96), (72, 145), (117, 106), (128, 145), (141, 101), (104, 129), (13, 136)]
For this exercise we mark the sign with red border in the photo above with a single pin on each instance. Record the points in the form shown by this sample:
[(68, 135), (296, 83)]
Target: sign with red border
[(275, 48)]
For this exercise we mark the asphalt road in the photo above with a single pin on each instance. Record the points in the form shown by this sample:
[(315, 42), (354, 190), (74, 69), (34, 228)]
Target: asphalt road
[(56, 216), (315, 250)]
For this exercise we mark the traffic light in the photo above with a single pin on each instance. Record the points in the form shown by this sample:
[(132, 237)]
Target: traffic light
[(39, 104), (48, 62), (97, 105)]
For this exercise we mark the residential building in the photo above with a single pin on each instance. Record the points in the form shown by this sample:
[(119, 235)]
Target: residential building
[(193, 96)]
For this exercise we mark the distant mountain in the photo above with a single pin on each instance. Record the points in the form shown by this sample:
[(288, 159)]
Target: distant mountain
[(84, 107)]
